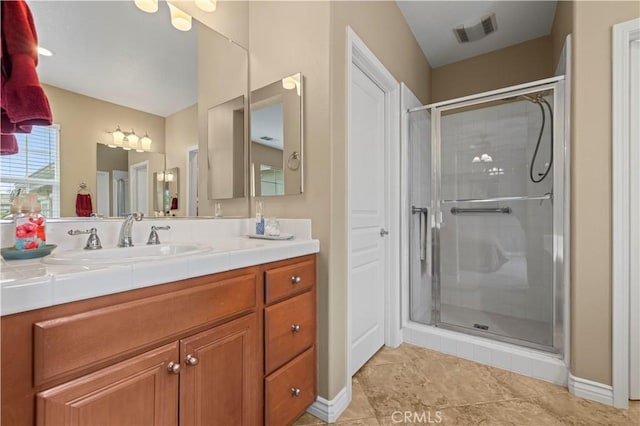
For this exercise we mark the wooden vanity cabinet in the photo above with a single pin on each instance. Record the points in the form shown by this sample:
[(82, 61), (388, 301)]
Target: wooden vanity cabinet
[(291, 340), (189, 353)]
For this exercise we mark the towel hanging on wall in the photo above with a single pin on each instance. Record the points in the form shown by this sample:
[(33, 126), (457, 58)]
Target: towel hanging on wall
[(23, 102)]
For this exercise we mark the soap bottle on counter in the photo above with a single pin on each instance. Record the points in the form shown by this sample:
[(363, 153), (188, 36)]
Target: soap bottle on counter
[(30, 225), (259, 218)]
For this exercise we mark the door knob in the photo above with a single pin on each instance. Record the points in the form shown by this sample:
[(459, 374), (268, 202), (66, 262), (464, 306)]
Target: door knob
[(191, 360), (383, 232), (173, 367)]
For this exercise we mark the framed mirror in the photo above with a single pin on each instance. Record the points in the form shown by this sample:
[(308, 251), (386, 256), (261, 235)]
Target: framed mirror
[(276, 138), (140, 74)]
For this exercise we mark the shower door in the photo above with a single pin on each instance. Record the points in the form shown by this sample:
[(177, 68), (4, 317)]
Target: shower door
[(420, 211), (495, 230)]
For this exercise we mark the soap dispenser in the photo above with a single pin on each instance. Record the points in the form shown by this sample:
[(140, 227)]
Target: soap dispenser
[(259, 218), (30, 225)]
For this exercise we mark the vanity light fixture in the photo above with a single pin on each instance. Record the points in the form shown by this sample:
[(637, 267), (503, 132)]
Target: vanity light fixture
[(149, 6), (160, 177), (179, 19), (145, 142), (290, 83), (42, 51), (117, 137), (133, 140), (206, 5), (129, 140)]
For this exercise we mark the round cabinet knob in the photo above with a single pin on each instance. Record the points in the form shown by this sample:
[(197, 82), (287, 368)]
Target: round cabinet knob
[(295, 328), (173, 368), (191, 360), (295, 391), (296, 279)]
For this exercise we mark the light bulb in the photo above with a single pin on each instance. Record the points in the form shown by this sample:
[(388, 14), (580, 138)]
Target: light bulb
[(206, 5), (149, 6), (145, 142), (133, 140), (289, 83), (117, 136), (125, 143), (179, 19)]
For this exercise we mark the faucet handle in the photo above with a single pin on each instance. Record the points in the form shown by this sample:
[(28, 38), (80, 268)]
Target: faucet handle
[(153, 236), (93, 242)]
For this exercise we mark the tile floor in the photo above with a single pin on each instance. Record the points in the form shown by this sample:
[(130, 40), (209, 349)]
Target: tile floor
[(436, 388)]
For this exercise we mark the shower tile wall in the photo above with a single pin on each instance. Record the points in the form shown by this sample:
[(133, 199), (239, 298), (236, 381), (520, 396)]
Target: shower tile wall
[(496, 269)]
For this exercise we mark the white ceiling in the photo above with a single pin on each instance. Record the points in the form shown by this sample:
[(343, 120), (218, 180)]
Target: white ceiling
[(113, 51), (432, 23)]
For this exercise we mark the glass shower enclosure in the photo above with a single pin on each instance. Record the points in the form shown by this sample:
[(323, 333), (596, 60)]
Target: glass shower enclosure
[(487, 215)]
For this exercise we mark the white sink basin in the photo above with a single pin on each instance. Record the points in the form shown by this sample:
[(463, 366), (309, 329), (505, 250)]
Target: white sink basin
[(124, 254)]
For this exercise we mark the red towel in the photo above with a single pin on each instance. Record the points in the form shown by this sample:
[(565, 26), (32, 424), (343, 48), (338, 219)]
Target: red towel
[(23, 101), (84, 207)]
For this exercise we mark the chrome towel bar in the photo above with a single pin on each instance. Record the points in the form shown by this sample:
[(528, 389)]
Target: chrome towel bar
[(501, 210)]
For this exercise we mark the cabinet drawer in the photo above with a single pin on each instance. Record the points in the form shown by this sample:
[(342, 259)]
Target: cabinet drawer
[(290, 390), (290, 328), (72, 343), (288, 280)]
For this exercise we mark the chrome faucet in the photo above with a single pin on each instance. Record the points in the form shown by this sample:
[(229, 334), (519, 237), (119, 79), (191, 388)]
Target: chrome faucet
[(124, 239)]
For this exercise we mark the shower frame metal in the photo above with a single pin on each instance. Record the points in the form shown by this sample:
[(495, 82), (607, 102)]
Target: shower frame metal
[(560, 212)]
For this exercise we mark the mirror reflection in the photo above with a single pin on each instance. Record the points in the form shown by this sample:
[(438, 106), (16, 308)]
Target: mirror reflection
[(166, 192), (99, 79), (124, 180), (276, 137)]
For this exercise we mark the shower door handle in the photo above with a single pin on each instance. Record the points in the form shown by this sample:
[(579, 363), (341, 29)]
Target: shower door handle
[(424, 215)]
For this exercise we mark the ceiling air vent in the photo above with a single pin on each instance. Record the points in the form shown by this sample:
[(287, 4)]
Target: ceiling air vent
[(473, 32)]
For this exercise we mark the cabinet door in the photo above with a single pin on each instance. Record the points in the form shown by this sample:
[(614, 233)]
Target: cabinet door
[(219, 382), (139, 391)]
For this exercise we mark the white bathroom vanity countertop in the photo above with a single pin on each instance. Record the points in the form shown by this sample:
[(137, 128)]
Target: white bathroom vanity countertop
[(33, 284)]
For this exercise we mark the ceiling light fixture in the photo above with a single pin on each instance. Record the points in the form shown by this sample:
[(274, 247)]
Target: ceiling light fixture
[(44, 51), (180, 20), (149, 6)]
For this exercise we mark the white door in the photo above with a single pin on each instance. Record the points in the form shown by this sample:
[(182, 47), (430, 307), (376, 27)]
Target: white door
[(102, 179), (140, 187), (634, 277), (192, 181), (367, 183)]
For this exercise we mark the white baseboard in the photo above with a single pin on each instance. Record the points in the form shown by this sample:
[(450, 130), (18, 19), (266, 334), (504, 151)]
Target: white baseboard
[(329, 411), (589, 389)]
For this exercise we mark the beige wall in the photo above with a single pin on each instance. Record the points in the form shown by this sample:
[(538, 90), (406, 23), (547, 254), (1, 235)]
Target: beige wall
[(84, 122), (520, 63), (310, 37), (219, 81), (562, 26), (591, 186), (181, 134), (285, 38)]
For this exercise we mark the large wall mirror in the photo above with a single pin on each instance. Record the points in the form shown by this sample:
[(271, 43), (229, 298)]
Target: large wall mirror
[(276, 138), (114, 65)]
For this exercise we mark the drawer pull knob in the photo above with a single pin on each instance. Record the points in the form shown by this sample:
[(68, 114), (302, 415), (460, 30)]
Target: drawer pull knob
[(295, 328), (173, 367), (191, 360), (296, 279), (295, 391)]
